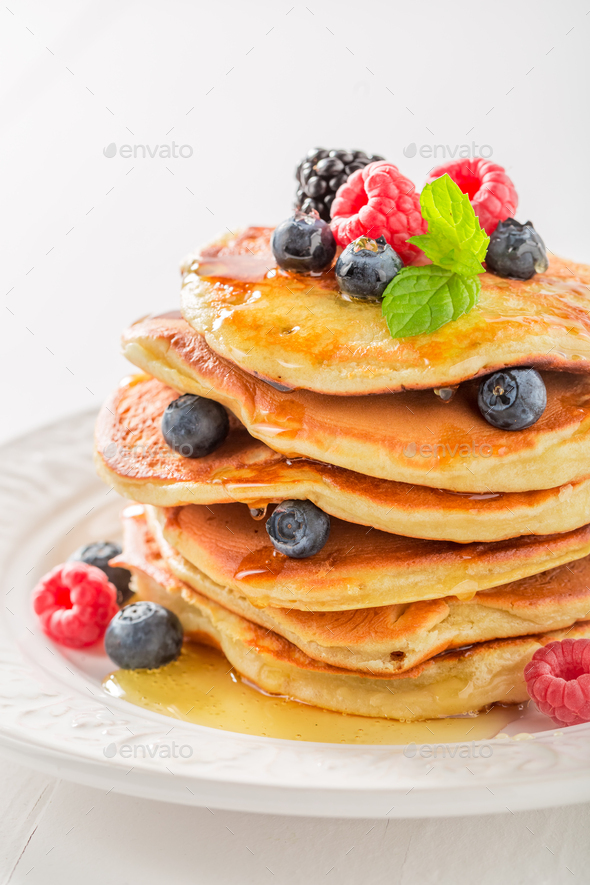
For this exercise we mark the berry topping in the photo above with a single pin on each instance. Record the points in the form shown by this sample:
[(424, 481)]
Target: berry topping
[(490, 191), (558, 680), (512, 399), (320, 175), (298, 528), (98, 554), (379, 201), (143, 636), (194, 426), (366, 267), (75, 603), (516, 250), (303, 243)]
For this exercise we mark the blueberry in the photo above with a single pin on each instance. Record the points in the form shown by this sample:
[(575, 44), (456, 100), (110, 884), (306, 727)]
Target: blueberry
[(143, 635), (516, 250), (298, 528), (99, 553), (366, 267), (304, 243), (512, 399), (194, 426)]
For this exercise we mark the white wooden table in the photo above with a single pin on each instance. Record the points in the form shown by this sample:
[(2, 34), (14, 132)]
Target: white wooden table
[(53, 832)]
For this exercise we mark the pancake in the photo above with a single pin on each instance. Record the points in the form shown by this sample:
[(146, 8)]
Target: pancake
[(298, 331), (387, 639), (132, 458), (357, 568), (410, 437), (456, 682)]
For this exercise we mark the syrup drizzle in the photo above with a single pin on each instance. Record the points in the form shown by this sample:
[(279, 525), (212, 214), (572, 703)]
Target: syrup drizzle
[(202, 687)]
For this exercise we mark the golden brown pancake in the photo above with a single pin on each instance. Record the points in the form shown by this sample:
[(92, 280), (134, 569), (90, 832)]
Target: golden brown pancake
[(300, 332), (387, 639), (456, 682), (357, 568), (410, 437), (133, 458)]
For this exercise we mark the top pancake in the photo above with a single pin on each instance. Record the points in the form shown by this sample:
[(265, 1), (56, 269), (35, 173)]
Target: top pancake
[(297, 331)]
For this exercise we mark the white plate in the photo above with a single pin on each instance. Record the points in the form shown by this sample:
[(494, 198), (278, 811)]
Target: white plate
[(55, 716)]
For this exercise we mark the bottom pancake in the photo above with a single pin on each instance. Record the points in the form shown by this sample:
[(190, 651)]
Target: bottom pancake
[(456, 682), (386, 639)]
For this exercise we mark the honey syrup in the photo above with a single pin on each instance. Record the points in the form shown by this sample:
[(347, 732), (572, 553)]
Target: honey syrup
[(202, 687)]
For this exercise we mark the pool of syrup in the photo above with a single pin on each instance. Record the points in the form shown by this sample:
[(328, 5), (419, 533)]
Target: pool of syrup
[(202, 687)]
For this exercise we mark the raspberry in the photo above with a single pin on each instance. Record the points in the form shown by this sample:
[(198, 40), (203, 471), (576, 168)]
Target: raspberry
[(490, 191), (379, 201), (75, 603), (558, 680)]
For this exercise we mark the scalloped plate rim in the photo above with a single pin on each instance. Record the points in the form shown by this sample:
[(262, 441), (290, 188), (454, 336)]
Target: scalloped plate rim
[(61, 730)]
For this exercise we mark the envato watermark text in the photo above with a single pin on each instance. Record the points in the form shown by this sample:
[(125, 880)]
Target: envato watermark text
[(448, 151), (148, 152), (148, 751), (448, 751), (445, 450)]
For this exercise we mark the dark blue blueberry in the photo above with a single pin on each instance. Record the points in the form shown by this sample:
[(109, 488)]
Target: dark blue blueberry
[(143, 636), (516, 250), (99, 553), (512, 399), (194, 426), (366, 267), (298, 528), (303, 243)]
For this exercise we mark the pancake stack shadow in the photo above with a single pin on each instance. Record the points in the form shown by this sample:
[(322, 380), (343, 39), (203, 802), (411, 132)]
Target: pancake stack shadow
[(456, 549)]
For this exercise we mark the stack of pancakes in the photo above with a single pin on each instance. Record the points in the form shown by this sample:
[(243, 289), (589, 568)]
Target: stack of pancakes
[(456, 549)]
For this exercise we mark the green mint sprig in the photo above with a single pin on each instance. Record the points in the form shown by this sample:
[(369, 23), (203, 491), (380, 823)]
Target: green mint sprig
[(420, 300)]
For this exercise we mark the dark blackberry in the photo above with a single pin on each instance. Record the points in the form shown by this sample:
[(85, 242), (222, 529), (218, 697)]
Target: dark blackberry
[(322, 172)]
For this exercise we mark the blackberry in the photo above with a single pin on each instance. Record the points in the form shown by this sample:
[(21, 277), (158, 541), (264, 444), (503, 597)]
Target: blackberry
[(322, 172), (99, 553)]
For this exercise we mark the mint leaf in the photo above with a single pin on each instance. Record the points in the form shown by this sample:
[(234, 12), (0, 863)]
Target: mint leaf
[(455, 239), (420, 300)]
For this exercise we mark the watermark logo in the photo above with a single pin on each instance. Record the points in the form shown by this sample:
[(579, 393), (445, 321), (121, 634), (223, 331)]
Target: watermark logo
[(448, 751), (148, 751), (447, 151), (148, 151), (445, 450), (112, 451)]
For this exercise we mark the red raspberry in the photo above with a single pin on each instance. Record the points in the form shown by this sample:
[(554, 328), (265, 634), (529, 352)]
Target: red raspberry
[(75, 603), (558, 680), (378, 200), (490, 191)]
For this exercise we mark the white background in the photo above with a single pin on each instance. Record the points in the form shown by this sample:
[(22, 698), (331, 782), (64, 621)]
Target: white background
[(91, 243)]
